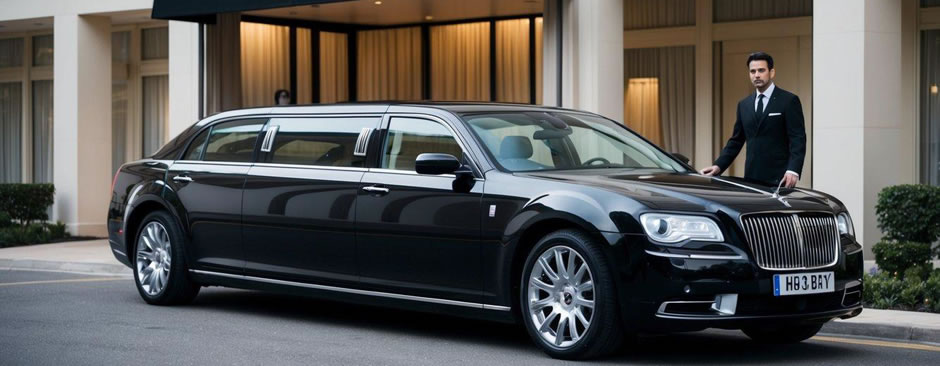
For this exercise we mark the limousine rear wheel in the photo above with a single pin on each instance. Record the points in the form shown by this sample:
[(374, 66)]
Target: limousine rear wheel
[(159, 266), (783, 335), (568, 300)]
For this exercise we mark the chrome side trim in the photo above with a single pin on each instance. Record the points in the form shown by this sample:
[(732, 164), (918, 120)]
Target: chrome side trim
[(269, 138), (312, 167), (356, 291), (118, 252), (362, 142), (695, 256), (210, 162)]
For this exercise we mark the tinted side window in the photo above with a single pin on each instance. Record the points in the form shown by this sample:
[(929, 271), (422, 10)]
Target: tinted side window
[(197, 146), (318, 141), (410, 137), (233, 141)]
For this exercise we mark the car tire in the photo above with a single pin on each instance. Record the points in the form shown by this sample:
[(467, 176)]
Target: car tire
[(550, 297), (784, 334), (159, 264)]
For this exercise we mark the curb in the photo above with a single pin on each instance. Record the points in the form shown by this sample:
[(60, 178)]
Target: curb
[(883, 331), (106, 269)]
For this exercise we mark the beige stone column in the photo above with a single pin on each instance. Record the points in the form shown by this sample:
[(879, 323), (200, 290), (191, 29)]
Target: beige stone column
[(860, 137), (184, 76), (592, 56), (82, 124)]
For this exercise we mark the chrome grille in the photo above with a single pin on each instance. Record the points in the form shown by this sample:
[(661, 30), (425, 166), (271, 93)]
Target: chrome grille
[(792, 240)]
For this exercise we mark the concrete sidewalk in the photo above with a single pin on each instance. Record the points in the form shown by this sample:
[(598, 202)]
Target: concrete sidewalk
[(95, 257)]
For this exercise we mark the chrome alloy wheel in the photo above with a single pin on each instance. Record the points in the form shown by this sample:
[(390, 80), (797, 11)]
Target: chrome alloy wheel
[(561, 296), (153, 258)]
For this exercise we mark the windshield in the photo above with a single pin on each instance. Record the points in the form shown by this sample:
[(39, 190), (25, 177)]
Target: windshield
[(534, 141)]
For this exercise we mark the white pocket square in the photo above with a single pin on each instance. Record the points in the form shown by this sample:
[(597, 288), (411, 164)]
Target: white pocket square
[(773, 114)]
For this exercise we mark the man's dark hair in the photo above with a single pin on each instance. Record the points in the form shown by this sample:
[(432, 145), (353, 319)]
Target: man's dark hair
[(278, 93), (761, 56)]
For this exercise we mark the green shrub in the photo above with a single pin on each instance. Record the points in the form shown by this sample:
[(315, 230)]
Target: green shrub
[(31, 234), (882, 291), (26, 203), (918, 272), (5, 220), (896, 257), (909, 212), (932, 292)]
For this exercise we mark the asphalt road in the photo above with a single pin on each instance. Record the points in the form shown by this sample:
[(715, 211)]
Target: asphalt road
[(51, 318)]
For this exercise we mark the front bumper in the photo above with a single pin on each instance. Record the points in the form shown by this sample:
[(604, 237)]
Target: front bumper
[(684, 293)]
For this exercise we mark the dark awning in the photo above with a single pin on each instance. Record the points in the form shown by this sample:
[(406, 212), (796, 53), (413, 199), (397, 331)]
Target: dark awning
[(204, 11)]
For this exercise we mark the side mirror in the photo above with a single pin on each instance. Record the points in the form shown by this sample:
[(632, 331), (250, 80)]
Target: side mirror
[(434, 164), (681, 157)]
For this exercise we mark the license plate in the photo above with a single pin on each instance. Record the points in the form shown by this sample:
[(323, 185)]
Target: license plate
[(803, 283)]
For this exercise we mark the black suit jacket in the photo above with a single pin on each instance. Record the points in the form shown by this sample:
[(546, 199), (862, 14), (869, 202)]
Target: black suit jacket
[(776, 138)]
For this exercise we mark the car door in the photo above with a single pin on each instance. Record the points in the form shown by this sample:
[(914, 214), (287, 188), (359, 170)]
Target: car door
[(208, 184), (299, 203), (418, 234)]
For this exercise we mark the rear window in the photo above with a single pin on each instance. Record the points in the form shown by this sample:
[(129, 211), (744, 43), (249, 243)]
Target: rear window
[(233, 141), (318, 141)]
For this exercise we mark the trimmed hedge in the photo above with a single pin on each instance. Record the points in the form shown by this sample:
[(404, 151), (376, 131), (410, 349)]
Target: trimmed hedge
[(909, 212), (25, 203), (39, 233), (898, 257), (885, 291)]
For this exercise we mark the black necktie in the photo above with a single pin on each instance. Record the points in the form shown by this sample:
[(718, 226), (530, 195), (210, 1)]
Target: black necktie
[(760, 104)]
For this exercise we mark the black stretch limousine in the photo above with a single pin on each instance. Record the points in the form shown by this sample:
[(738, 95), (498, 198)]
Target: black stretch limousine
[(562, 220)]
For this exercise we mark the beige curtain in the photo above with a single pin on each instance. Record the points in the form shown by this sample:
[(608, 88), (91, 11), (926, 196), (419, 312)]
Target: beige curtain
[(155, 109), (265, 62), (334, 67), (644, 14), (42, 131), (389, 64), (11, 126), (304, 67), (223, 64), (512, 61), (538, 60), (460, 62), (155, 43), (642, 108)]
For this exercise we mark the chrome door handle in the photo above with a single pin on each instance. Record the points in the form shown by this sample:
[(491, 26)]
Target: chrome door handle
[(182, 178), (375, 189)]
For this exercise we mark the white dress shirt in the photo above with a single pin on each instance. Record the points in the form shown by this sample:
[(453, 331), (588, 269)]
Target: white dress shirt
[(767, 93)]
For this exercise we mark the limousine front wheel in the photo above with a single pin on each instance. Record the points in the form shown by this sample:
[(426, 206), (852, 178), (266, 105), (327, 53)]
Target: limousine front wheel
[(159, 267), (568, 300)]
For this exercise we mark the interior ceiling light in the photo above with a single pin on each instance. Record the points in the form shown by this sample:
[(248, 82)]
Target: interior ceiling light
[(428, 17), (378, 3)]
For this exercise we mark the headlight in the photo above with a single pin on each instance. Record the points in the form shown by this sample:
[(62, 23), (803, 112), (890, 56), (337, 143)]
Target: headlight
[(844, 221), (669, 229)]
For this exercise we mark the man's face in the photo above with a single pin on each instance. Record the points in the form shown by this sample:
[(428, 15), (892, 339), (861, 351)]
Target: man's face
[(760, 74)]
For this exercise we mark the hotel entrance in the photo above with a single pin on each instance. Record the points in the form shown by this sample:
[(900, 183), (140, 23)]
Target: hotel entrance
[(339, 51)]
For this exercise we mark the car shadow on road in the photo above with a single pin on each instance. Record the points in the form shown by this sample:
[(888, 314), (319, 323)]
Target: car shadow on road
[(711, 347)]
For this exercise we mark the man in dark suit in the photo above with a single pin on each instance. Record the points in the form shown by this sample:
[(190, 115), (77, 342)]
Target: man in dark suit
[(771, 122)]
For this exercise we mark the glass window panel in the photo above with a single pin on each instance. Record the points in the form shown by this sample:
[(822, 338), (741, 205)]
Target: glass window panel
[(42, 50), (930, 107), (42, 131), (154, 43), (410, 137), (155, 109), (120, 47), (318, 141), (120, 56), (11, 52), (233, 141), (929, 3), (11, 126), (197, 147)]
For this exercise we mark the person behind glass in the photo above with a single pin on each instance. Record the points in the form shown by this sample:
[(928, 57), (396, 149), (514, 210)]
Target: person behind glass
[(282, 97), (771, 122)]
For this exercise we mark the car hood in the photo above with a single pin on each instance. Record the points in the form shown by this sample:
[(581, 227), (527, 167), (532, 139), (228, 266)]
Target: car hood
[(670, 191)]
